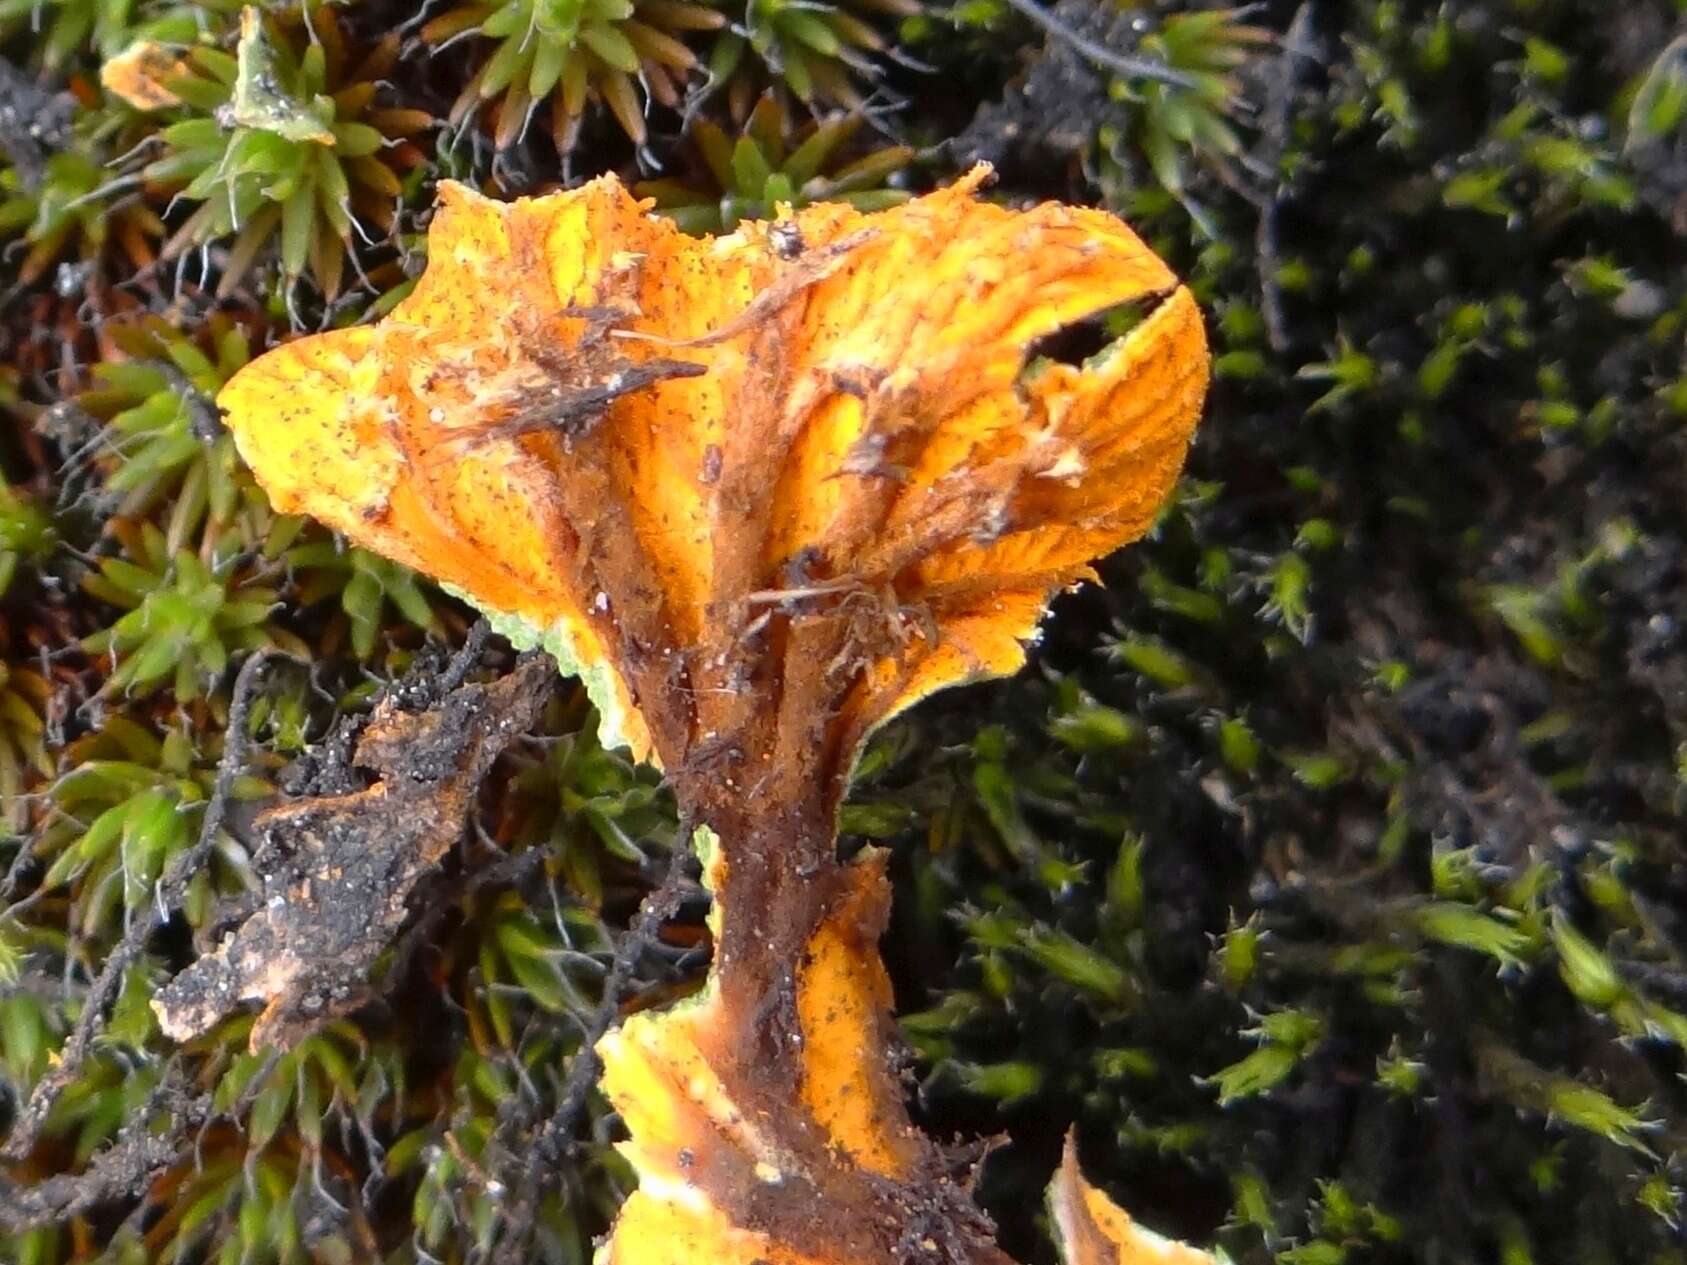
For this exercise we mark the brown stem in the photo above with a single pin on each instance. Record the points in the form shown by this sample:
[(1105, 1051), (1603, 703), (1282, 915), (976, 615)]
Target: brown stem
[(780, 884)]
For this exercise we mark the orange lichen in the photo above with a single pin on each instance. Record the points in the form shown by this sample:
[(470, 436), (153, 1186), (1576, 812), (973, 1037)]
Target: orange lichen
[(1093, 1230), (872, 443), (761, 491)]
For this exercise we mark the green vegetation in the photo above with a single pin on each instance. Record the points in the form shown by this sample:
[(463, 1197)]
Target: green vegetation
[(564, 52), (1325, 870), (284, 140), (772, 164)]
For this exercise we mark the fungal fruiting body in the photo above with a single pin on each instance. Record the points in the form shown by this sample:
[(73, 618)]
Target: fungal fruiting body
[(761, 492)]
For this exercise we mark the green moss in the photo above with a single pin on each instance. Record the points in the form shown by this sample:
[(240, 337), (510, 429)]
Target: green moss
[(561, 54), (282, 142), (1322, 869), (772, 163)]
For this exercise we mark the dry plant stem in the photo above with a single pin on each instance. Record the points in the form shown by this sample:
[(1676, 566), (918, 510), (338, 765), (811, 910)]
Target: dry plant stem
[(1099, 54), (467, 659), (172, 888), (203, 419), (555, 1140), (660, 905), (14, 875), (122, 1169)]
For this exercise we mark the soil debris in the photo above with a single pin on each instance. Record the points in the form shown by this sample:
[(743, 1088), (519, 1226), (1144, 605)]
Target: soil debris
[(338, 870)]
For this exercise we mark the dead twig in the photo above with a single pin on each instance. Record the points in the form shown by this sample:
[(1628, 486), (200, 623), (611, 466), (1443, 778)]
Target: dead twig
[(1099, 54), (555, 1139), (656, 909), (467, 659), (136, 1155), (172, 888)]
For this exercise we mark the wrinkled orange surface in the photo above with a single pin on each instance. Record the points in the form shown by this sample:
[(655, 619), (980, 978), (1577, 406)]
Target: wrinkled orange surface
[(679, 1113), (691, 1139), (869, 413), (1016, 482)]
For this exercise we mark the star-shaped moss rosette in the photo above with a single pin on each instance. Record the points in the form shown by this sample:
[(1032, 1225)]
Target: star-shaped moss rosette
[(772, 163), (562, 54), (66, 215), (282, 141), (826, 53), (761, 491)]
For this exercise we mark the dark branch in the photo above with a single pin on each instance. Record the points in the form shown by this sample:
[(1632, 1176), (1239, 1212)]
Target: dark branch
[(555, 1139), (656, 909), (172, 888), (125, 1167), (1099, 54)]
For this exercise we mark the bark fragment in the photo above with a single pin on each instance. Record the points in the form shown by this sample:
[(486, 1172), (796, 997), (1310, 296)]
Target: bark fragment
[(338, 870)]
